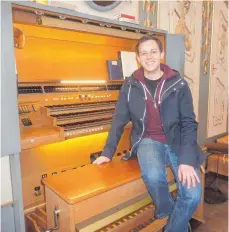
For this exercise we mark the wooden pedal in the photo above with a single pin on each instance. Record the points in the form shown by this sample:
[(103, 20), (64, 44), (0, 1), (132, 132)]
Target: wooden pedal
[(156, 226), (37, 220), (41, 213), (139, 220), (31, 225)]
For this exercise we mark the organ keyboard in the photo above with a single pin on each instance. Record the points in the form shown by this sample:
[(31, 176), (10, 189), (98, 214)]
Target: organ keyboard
[(65, 110), (78, 119)]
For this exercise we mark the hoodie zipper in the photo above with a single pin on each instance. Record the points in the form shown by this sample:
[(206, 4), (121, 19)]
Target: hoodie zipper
[(143, 130), (154, 97), (168, 89)]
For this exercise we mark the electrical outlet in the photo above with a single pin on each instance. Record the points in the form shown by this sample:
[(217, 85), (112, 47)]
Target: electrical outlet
[(37, 191)]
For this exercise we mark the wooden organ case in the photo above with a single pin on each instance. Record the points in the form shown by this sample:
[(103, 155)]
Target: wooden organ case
[(65, 103)]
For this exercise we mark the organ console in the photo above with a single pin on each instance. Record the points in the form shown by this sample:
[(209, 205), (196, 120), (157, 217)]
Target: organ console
[(66, 103), (55, 112)]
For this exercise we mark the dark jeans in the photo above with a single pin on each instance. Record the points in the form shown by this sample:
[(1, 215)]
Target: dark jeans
[(153, 157)]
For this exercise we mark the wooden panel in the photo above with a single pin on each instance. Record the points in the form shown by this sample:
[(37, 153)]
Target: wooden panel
[(221, 160), (24, 17), (66, 223), (58, 54), (36, 136), (58, 157), (66, 55), (109, 200)]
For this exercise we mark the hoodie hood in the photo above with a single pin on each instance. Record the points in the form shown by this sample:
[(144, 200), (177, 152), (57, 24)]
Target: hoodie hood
[(168, 73)]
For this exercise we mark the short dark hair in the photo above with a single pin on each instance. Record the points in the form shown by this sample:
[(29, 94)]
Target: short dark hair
[(146, 38)]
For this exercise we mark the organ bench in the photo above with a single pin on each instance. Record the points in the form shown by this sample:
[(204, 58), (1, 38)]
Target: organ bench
[(107, 197)]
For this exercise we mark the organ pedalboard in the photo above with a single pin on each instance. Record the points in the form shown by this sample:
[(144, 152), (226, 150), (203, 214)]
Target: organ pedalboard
[(52, 112)]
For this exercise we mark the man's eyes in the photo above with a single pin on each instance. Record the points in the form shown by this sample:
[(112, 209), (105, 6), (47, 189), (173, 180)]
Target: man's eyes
[(145, 53)]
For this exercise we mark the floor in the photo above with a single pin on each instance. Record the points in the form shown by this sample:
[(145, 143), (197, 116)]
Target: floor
[(216, 215)]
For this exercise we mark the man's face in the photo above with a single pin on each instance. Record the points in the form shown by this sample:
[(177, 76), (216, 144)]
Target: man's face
[(149, 55)]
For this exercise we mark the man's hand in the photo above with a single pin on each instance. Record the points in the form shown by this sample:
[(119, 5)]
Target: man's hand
[(101, 159), (187, 175)]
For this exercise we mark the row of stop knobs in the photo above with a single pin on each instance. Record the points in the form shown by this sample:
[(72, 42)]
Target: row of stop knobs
[(88, 96), (85, 97)]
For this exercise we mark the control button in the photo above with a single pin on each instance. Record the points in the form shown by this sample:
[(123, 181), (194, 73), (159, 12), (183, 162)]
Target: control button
[(35, 107), (20, 110), (26, 122), (24, 109)]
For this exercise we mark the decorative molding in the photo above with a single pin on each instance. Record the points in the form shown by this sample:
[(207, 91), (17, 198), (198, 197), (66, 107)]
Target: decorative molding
[(148, 11), (207, 29)]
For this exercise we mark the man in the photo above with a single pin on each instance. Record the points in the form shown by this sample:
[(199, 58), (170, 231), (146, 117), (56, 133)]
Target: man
[(158, 102)]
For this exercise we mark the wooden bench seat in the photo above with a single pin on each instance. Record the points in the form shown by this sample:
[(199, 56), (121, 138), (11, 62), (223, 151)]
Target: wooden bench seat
[(223, 139), (92, 194), (218, 158)]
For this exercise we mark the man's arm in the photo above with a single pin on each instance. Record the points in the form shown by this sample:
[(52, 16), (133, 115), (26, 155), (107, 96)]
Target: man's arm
[(188, 148), (187, 156), (120, 118)]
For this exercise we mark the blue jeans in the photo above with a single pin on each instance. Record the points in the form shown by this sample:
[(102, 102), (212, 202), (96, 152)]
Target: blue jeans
[(153, 157)]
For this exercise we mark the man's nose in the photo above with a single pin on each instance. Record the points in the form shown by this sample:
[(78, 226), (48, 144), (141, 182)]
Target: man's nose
[(149, 55)]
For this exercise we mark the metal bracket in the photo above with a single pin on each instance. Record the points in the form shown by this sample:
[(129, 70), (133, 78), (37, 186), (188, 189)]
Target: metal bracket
[(40, 13), (56, 212)]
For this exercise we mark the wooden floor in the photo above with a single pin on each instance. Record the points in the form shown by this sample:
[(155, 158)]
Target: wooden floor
[(216, 215)]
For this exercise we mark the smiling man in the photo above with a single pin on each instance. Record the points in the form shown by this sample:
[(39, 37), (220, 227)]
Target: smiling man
[(158, 101)]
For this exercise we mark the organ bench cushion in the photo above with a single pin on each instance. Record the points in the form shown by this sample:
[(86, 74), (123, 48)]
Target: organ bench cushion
[(91, 180)]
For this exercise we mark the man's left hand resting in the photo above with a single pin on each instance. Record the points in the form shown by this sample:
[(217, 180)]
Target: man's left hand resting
[(188, 176)]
